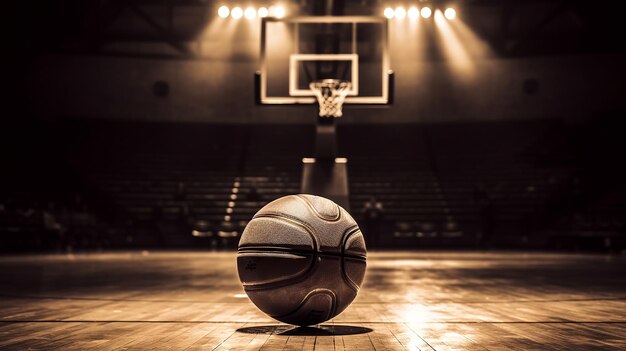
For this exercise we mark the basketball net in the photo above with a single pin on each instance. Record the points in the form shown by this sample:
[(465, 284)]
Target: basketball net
[(330, 94)]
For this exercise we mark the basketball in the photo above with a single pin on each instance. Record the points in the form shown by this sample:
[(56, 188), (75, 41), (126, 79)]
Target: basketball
[(302, 259)]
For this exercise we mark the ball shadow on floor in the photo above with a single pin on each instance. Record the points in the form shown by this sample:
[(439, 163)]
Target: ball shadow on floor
[(318, 330)]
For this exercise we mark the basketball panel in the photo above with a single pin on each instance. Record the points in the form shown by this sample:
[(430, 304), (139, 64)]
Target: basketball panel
[(262, 269), (276, 232)]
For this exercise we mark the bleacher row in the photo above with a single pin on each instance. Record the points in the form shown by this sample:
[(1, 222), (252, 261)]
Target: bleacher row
[(442, 185), (465, 186)]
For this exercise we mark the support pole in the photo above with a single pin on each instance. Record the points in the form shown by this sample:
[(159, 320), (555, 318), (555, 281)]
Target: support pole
[(326, 175)]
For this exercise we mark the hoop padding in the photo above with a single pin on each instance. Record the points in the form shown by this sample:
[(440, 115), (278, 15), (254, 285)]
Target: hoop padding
[(330, 94)]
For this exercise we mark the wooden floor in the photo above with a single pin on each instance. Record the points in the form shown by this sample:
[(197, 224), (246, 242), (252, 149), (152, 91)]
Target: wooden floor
[(416, 301)]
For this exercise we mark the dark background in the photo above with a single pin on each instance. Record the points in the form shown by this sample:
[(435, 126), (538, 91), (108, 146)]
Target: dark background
[(130, 124)]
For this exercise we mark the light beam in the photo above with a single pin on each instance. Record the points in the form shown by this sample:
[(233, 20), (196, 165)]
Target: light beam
[(454, 50)]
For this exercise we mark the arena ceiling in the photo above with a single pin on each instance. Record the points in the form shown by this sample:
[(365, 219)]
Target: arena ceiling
[(512, 27)]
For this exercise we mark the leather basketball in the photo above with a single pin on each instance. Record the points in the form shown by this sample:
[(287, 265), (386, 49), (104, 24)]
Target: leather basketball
[(301, 259)]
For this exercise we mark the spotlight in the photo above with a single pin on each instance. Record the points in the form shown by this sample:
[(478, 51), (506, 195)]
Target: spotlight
[(450, 13), (413, 13), (249, 13), (223, 12), (400, 12), (262, 12), (425, 12), (237, 12), (279, 12), (389, 12)]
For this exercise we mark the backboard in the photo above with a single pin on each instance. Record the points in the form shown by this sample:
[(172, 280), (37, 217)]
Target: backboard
[(299, 50)]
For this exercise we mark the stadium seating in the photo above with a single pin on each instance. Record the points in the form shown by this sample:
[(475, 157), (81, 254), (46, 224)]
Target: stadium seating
[(474, 184)]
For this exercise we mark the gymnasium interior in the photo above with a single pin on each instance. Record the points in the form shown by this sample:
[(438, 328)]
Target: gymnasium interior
[(479, 149)]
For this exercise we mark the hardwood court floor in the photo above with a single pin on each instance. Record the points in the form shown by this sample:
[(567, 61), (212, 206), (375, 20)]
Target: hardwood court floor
[(417, 301)]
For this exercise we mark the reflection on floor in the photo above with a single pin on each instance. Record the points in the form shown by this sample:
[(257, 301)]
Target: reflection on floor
[(418, 301)]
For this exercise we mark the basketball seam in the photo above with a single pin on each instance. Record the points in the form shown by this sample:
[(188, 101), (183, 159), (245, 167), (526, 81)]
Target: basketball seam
[(317, 213), (344, 240), (308, 297), (260, 249)]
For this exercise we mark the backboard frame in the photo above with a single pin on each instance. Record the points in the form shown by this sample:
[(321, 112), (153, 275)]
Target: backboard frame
[(293, 71), (299, 96)]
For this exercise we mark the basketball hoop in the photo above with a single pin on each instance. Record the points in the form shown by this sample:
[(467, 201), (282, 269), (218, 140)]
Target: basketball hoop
[(330, 94)]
